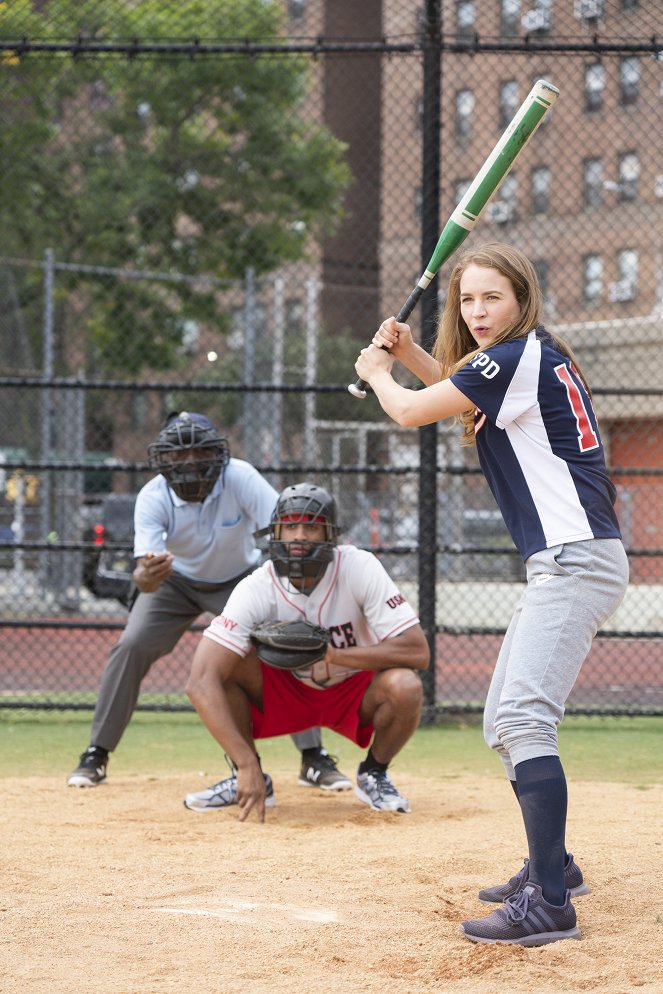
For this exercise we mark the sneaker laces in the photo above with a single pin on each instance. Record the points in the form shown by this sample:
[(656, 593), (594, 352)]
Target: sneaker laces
[(517, 906), (383, 783), (326, 761)]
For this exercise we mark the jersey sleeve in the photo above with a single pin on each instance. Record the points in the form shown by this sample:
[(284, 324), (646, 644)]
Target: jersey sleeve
[(247, 606), (150, 524), (491, 376), (387, 611)]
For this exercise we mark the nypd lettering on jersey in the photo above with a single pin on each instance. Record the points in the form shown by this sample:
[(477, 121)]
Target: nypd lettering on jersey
[(538, 443), (356, 600)]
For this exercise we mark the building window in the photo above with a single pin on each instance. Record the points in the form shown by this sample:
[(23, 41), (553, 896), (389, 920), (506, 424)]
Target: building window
[(464, 113), (629, 173), (594, 86), (629, 80), (593, 277), (627, 266), (296, 9), (538, 19), (541, 270), (505, 209), (508, 101), (541, 189), (593, 182), (465, 17), (509, 18)]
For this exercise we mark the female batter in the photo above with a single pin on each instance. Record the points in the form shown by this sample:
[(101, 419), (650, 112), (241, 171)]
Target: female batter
[(522, 399)]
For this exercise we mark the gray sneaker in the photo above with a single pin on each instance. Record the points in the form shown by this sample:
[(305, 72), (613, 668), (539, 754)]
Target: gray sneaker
[(377, 789), (525, 919), (573, 881), (224, 794)]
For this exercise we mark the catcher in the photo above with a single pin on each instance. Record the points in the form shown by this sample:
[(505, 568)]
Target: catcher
[(349, 662)]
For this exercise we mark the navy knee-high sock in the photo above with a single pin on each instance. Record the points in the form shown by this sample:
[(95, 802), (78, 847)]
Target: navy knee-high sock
[(543, 801)]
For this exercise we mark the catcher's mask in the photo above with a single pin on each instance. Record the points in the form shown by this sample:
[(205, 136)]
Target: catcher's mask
[(190, 453), (303, 502)]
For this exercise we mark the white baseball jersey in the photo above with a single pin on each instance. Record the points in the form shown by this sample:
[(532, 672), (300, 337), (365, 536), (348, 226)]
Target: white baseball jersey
[(356, 600)]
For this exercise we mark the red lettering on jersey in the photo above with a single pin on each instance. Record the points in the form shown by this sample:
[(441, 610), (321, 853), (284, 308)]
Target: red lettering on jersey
[(395, 601), (587, 437), (226, 622)]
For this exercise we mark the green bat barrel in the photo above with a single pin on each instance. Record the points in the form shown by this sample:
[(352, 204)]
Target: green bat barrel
[(525, 122)]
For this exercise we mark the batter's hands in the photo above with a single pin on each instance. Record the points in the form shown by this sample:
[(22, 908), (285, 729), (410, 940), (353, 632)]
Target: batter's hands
[(151, 570), (372, 360), (250, 791), (394, 336)]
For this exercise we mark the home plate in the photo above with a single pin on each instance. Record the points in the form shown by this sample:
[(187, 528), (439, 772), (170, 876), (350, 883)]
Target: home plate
[(247, 912)]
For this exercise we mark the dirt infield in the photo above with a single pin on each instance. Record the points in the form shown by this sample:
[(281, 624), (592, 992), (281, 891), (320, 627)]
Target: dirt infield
[(120, 890)]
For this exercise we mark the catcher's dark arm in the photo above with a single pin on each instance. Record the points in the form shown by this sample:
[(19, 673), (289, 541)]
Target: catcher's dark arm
[(409, 650), (212, 665)]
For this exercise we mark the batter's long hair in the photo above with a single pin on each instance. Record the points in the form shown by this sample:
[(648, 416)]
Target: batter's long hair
[(455, 347)]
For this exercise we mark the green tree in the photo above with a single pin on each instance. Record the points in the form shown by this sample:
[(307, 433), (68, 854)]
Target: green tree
[(191, 165)]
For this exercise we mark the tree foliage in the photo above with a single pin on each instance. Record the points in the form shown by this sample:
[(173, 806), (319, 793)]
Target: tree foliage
[(190, 165)]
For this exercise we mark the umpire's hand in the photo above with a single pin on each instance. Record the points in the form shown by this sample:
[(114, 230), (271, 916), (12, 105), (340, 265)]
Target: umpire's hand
[(151, 570), (250, 791)]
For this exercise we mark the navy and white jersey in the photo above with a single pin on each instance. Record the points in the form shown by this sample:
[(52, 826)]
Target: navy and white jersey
[(538, 443)]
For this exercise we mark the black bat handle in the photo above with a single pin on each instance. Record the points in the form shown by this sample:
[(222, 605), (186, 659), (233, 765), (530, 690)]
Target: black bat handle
[(359, 388)]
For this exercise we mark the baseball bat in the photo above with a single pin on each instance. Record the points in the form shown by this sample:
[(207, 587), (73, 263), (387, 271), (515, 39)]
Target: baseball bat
[(464, 218)]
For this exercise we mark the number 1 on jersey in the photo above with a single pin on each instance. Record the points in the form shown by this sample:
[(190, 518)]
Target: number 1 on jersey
[(587, 438)]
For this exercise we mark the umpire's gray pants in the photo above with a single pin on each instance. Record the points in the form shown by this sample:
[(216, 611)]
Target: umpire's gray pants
[(571, 591), (156, 623)]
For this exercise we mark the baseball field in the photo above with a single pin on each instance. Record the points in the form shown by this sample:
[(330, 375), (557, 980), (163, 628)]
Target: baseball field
[(121, 890)]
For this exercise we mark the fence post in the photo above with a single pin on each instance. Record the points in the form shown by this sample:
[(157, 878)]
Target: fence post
[(249, 370), (428, 434), (47, 366)]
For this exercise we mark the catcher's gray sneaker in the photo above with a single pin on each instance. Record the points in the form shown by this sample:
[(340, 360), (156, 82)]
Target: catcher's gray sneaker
[(91, 769), (377, 789), (525, 919), (573, 881), (321, 771), (223, 794)]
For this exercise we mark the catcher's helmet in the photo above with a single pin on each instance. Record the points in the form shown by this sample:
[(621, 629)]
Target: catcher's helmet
[(190, 453), (307, 502)]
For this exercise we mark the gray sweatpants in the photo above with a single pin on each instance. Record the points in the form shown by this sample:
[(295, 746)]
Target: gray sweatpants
[(156, 623), (571, 591)]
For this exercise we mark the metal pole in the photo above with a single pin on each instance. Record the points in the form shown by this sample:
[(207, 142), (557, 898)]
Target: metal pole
[(311, 368), (46, 418), (277, 368), (432, 79), (249, 363)]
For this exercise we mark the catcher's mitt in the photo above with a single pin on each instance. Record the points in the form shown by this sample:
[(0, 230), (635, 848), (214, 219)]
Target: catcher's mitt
[(290, 645)]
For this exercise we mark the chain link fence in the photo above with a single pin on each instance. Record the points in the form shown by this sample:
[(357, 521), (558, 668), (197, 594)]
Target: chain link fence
[(213, 207)]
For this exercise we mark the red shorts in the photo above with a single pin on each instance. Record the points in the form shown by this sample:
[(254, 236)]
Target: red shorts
[(291, 706)]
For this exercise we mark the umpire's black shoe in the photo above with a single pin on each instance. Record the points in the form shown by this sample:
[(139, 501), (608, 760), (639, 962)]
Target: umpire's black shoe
[(319, 769), (91, 769)]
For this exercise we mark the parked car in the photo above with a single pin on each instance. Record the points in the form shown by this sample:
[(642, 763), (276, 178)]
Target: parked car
[(107, 572)]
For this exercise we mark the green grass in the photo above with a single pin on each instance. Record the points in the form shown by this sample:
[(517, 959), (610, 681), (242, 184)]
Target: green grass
[(39, 743)]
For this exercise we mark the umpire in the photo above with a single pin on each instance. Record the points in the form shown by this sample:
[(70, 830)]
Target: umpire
[(194, 525)]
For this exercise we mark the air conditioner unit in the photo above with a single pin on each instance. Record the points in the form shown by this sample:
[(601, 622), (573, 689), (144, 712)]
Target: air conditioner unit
[(620, 291), (536, 20), (585, 10), (499, 212)]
